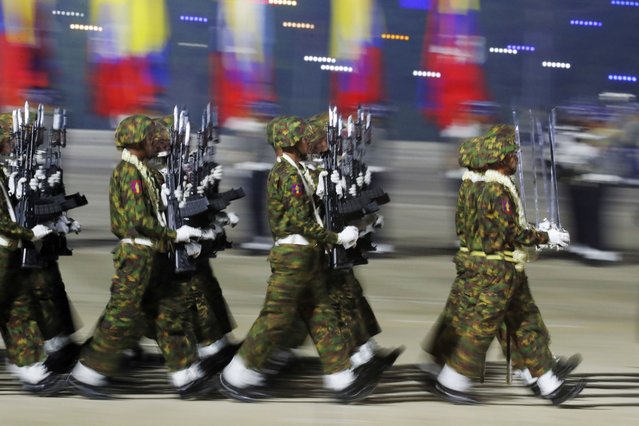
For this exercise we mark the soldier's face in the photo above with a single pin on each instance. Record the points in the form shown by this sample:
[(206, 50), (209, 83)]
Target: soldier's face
[(318, 146), (302, 147), (6, 146), (511, 161)]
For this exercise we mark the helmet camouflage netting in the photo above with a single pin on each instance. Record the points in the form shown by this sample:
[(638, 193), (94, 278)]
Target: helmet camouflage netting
[(495, 145), (288, 131), (132, 131)]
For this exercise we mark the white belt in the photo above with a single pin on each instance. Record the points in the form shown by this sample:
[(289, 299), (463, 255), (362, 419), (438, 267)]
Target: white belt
[(296, 239), (141, 241)]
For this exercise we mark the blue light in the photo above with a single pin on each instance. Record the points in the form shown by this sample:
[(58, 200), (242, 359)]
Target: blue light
[(521, 48), (188, 18), (583, 23), (415, 4), (621, 77), (624, 3)]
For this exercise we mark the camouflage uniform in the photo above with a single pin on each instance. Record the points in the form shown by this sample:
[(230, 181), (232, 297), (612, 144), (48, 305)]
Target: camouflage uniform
[(355, 315), (297, 285), (18, 325), (207, 309), (493, 291), (54, 313), (141, 287)]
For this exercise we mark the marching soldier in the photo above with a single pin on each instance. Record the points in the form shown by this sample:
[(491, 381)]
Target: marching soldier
[(446, 333), (297, 283), (139, 288), (496, 289), (18, 323), (208, 311), (355, 315)]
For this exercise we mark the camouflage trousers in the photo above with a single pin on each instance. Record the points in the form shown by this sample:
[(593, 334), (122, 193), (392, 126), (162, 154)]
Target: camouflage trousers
[(54, 314), (355, 316), (296, 289), (208, 311), (142, 289), (492, 294), (18, 326)]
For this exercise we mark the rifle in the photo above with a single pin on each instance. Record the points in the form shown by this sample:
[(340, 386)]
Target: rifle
[(208, 138), (333, 218), (180, 134), (29, 136)]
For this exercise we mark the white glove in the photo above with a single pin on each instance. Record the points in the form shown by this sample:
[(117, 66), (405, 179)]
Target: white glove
[(61, 226), (335, 177), (164, 194), (204, 183), (353, 190), (40, 174), (544, 225), (217, 172), (233, 219), (321, 189), (379, 222), (178, 193), (193, 249), (368, 177), (186, 232), (558, 238), (53, 180), (348, 237), (75, 226), (339, 190), (19, 187), (12, 182), (211, 233), (39, 232), (360, 180), (34, 184)]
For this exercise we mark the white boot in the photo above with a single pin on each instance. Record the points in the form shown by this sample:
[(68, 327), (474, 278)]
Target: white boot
[(56, 343), (453, 380), (339, 381), (32, 374), (213, 348), (238, 375), (548, 383), (88, 375)]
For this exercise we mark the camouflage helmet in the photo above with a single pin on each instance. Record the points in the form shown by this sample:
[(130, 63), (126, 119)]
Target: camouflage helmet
[(159, 133), (270, 136), (317, 125), (288, 131), (132, 131), (167, 121), (6, 126), (496, 144), (468, 151)]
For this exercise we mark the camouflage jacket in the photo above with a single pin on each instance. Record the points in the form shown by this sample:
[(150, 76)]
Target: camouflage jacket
[(8, 227), (465, 214), (289, 206), (132, 214), (491, 223)]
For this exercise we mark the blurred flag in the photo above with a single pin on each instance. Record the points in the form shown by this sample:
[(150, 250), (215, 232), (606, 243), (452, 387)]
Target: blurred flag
[(23, 53), (242, 58), (356, 28), (129, 55), (453, 48)]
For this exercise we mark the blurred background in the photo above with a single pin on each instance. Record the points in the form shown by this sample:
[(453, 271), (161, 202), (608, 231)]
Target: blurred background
[(433, 72)]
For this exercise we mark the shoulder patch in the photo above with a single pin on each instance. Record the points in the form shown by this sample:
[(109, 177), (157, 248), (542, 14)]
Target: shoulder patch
[(136, 186), (507, 206), (297, 190)]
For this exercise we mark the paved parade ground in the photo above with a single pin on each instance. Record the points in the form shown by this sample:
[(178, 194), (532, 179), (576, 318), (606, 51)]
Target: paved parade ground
[(590, 309)]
